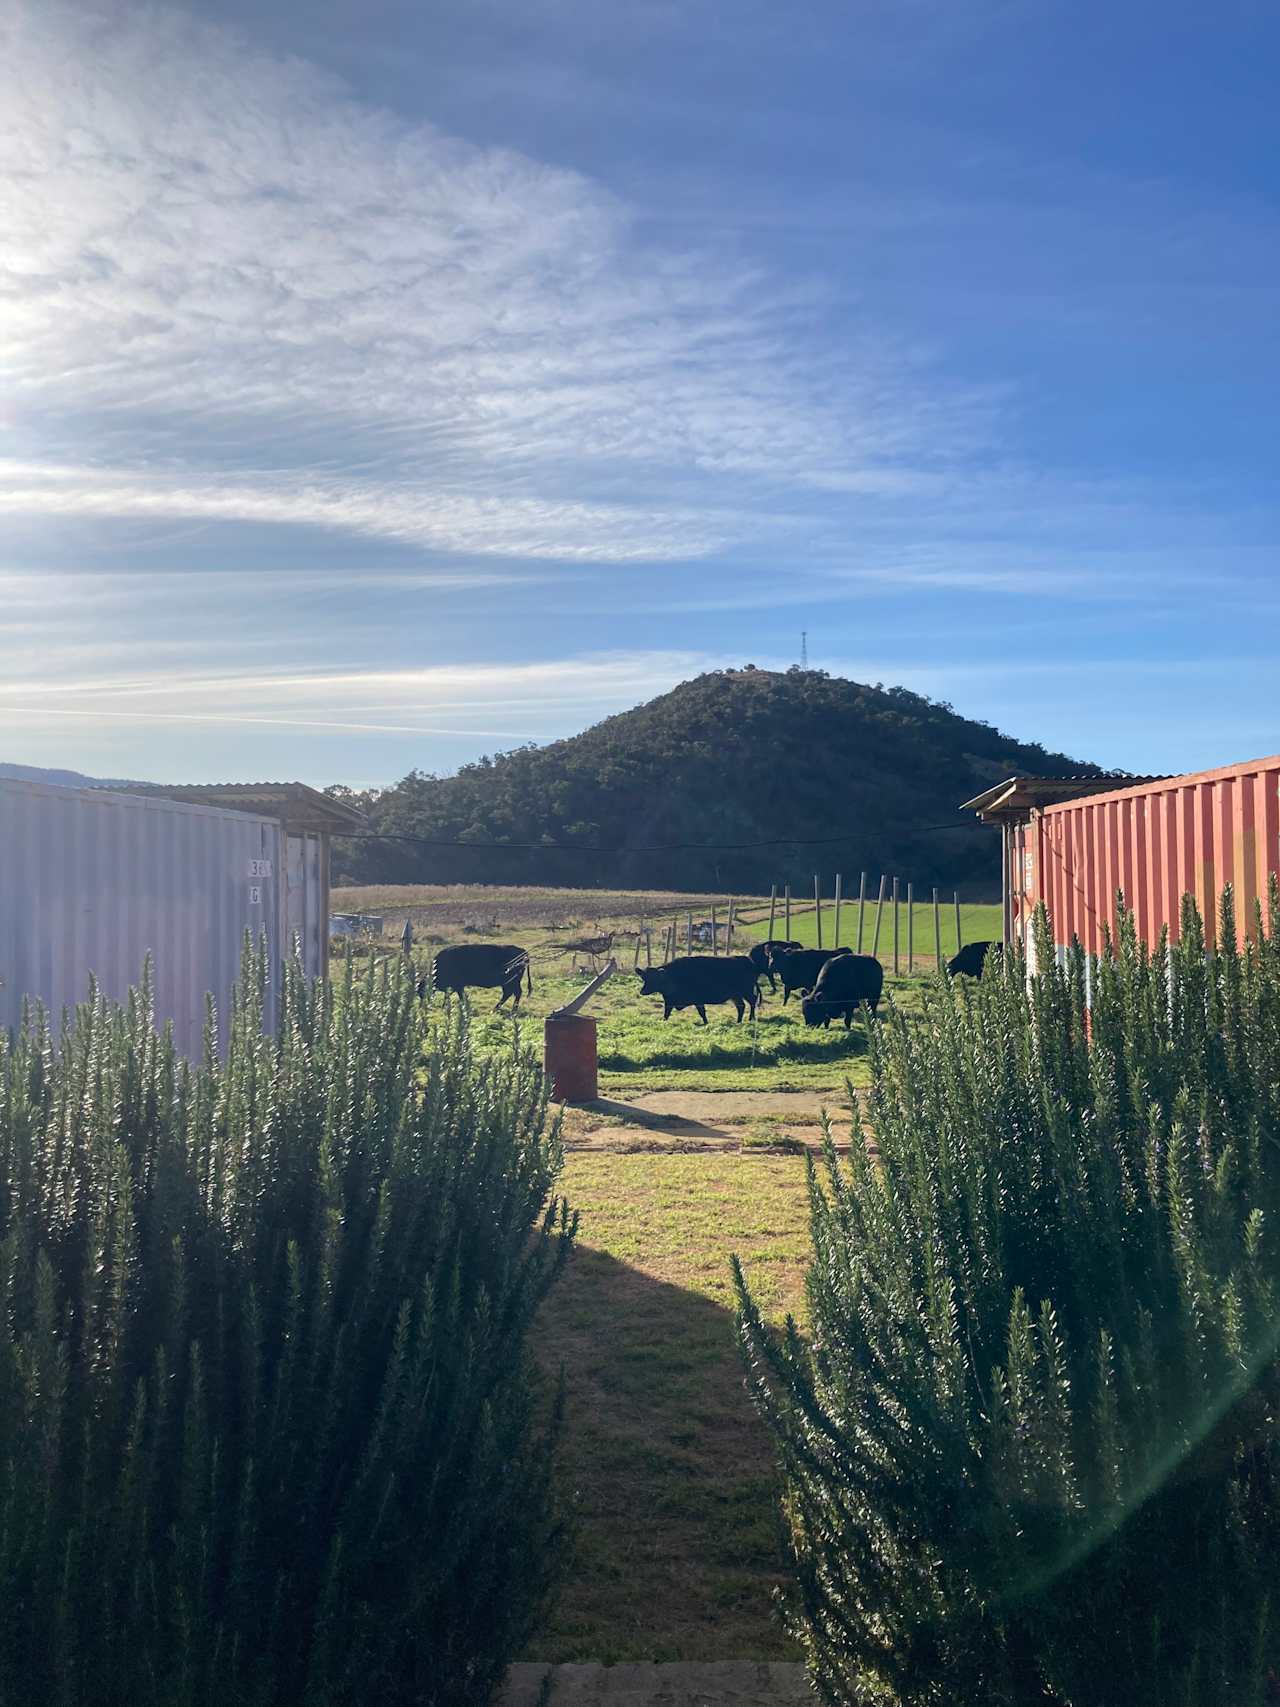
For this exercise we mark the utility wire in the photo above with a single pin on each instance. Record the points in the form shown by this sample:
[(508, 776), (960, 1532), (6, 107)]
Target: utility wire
[(597, 847)]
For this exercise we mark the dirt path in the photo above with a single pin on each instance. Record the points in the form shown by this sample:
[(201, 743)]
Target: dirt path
[(708, 1120)]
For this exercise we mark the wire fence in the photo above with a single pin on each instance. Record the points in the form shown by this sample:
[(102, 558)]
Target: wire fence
[(917, 933)]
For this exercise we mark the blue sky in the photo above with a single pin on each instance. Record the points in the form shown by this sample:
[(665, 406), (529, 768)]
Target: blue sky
[(382, 384)]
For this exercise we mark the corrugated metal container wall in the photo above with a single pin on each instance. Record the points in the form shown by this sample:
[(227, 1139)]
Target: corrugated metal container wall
[(1185, 835), (92, 881), (305, 907)]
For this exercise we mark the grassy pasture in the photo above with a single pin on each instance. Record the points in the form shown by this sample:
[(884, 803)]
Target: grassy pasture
[(979, 922), (640, 1051), (669, 1471), (637, 1050)]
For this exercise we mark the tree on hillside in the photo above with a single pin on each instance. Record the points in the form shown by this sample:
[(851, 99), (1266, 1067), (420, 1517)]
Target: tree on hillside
[(731, 757)]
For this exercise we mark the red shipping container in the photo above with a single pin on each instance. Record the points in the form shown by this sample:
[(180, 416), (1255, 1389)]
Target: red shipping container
[(1155, 841)]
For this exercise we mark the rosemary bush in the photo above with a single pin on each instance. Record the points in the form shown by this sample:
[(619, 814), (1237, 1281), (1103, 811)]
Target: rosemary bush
[(1030, 1451), (267, 1429)]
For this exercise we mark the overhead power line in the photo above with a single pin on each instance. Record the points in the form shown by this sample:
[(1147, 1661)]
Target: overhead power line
[(658, 847)]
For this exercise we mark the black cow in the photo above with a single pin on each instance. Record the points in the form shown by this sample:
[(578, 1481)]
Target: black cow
[(696, 979), (972, 958), (758, 955), (799, 967), (481, 965), (845, 982)]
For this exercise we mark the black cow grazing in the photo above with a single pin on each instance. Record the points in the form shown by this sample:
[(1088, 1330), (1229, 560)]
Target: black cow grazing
[(799, 967), (696, 979), (481, 965), (845, 982), (758, 955), (972, 958)]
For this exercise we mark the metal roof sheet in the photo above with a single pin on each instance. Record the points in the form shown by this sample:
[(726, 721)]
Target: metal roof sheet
[(1019, 794), (295, 803)]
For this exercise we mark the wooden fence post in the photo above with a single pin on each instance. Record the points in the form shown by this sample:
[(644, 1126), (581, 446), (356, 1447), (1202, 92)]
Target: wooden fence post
[(715, 931), (862, 907), (635, 959), (959, 938), (773, 905), (937, 931), (895, 927), (728, 941), (688, 936), (911, 929), (875, 941), (787, 901), (835, 943), (817, 906)]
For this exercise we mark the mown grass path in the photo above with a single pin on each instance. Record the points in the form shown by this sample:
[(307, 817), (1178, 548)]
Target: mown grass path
[(670, 1471)]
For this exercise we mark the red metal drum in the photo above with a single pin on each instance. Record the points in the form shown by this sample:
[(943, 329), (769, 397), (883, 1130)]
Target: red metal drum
[(569, 1057)]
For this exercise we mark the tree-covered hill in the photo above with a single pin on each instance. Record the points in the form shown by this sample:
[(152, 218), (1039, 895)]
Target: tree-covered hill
[(736, 756)]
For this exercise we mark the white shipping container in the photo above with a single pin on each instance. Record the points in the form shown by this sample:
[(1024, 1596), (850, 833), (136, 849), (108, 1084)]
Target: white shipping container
[(92, 881)]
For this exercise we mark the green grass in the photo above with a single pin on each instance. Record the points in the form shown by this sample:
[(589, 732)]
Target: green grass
[(639, 1050), (979, 922), (670, 1471)]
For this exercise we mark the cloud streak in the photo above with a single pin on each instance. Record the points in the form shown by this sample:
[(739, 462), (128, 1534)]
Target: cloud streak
[(563, 531), (533, 700)]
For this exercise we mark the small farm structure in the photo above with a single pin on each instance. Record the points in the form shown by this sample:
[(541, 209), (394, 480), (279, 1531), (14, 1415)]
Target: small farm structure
[(1073, 844), (356, 924), (92, 880)]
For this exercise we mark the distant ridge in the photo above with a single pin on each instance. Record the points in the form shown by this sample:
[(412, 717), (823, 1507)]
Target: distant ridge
[(62, 779), (735, 756)]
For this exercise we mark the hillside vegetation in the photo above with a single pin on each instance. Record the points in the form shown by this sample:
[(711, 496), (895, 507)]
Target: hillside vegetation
[(736, 756)]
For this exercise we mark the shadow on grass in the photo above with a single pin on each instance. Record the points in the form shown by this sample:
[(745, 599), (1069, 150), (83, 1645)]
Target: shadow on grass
[(629, 1114), (679, 1541), (775, 1040)]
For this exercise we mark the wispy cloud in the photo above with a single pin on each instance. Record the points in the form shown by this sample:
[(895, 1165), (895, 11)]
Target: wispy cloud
[(454, 521), (530, 700), (458, 344)]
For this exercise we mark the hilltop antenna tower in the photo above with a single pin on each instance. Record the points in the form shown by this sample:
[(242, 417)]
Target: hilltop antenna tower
[(804, 649)]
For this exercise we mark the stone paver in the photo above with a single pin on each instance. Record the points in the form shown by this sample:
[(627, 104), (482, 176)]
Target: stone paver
[(684, 1683)]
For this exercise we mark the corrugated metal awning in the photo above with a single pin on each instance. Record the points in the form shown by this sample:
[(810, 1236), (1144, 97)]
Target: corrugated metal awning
[(1017, 796)]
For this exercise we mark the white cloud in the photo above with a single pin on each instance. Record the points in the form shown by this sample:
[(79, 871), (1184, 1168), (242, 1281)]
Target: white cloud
[(214, 260), (440, 521), (530, 700)]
